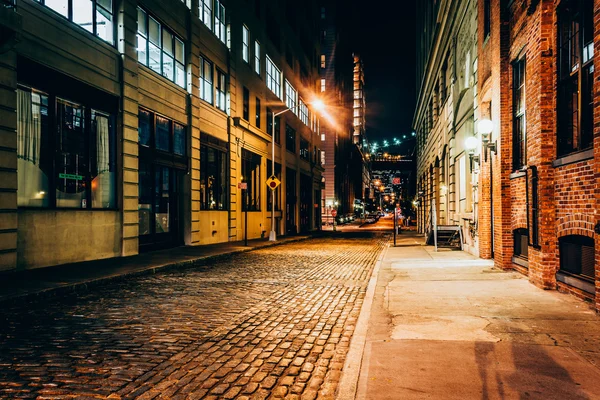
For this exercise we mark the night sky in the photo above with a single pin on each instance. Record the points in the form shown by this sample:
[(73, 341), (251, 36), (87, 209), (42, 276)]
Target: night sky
[(385, 37)]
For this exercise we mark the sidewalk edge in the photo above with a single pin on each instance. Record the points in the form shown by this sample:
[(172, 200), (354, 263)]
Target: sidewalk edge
[(80, 287), (348, 386)]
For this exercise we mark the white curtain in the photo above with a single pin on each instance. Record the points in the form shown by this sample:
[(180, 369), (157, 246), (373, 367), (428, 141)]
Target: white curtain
[(102, 144), (29, 126)]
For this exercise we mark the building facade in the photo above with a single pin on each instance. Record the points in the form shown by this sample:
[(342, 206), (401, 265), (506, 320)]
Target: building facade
[(446, 113), (536, 172), (136, 125)]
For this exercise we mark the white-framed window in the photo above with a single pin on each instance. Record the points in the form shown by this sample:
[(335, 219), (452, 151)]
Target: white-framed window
[(159, 49), (273, 78), (291, 97), (323, 157), (205, 12), (221, 90), (303, 108), (322, 137), (219, 27), (206, 80), (257, 57), (322, 85), (245, 41)]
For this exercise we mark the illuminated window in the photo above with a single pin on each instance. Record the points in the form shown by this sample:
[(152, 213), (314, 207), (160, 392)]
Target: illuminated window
[(273, 78), (257, 57), (291, 97), (206, 80), (219, 28), (159, 49), (322, 85), (245, 40), (220, 90), (322, 60), (206, 12), (95, 16)]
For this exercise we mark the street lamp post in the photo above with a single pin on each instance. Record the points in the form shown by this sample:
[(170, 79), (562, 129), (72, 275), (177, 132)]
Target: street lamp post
[(318, 105)]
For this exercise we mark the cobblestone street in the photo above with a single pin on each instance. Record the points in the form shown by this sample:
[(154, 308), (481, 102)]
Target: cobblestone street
[(273, 323)]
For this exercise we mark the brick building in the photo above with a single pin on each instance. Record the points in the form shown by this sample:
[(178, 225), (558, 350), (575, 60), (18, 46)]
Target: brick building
[(537, 172), (129, 125)]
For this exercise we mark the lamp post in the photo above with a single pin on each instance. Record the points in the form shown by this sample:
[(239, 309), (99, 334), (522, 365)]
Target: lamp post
[(317, 105), (485, 128), (471, 143)]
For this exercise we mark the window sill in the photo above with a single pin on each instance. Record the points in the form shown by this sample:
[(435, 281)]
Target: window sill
[(576, 282), (518, 174), (163, 78), (523, 262), (573, 158)]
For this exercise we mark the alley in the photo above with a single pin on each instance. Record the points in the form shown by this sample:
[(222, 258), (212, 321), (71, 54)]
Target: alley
[(273, 322), (447, 325)]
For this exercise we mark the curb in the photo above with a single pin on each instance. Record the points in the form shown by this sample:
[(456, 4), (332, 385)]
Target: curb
[(81, 287), (348, 386)]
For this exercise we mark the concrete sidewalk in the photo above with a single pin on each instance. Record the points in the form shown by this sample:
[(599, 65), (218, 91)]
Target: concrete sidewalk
[(447, 325), (16, 286)]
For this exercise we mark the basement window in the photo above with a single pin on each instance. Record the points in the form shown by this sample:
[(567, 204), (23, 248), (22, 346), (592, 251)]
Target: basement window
[(577, 256), (521, 243)]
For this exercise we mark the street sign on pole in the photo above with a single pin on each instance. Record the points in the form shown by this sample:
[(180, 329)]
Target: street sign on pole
[(273, 182)]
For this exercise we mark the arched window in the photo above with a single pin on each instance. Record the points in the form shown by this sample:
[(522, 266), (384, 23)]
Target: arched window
[(577, 256), (521, 243)]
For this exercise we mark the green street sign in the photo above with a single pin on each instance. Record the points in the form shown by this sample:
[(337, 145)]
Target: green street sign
[(70, 176)]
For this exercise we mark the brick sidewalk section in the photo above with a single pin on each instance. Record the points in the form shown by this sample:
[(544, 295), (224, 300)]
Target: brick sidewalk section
[(272, 323), (44, 282)]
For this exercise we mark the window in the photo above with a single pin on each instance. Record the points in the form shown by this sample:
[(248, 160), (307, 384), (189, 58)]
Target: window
[(70, 164), (487, 18), (257, 115), (290, 138), (251, 175), (322, 137), (221, 90), (519, 127), (322, 60), (206, 12), (303, 108), (206, 80), (322, 157), (291, 97), (246, 105), (156, 132), (577, 256), (521, 243), (322, 85), (277, 125), (257, 57), (304, 149), (245, 41), (322, 12), (95, 16), (213, 173), (219, 28), (273, 78), (159, 49), (575, 76)]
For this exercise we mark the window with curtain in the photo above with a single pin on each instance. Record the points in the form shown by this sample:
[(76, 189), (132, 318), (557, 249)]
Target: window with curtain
[(575, 76), (206, 80), (213, 174), (95, 16), (69, 165), (160, 49), (251, 175)]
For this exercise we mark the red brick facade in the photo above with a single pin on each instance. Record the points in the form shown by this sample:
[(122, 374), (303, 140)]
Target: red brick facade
[(568, 193)]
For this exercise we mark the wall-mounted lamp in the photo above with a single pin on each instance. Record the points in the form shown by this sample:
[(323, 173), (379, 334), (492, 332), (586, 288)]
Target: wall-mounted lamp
[(485, 128), (471, 144)]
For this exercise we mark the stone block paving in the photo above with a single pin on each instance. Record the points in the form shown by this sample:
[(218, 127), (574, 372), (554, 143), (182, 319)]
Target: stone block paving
[(272, 323)]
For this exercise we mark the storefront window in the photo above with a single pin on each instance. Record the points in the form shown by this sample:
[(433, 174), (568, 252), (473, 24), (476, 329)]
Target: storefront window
[(251, 175), (213, 174)]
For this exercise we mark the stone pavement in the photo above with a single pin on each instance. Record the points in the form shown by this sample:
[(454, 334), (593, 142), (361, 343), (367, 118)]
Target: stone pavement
[(45, 282), (447, 325), (271, 323)]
